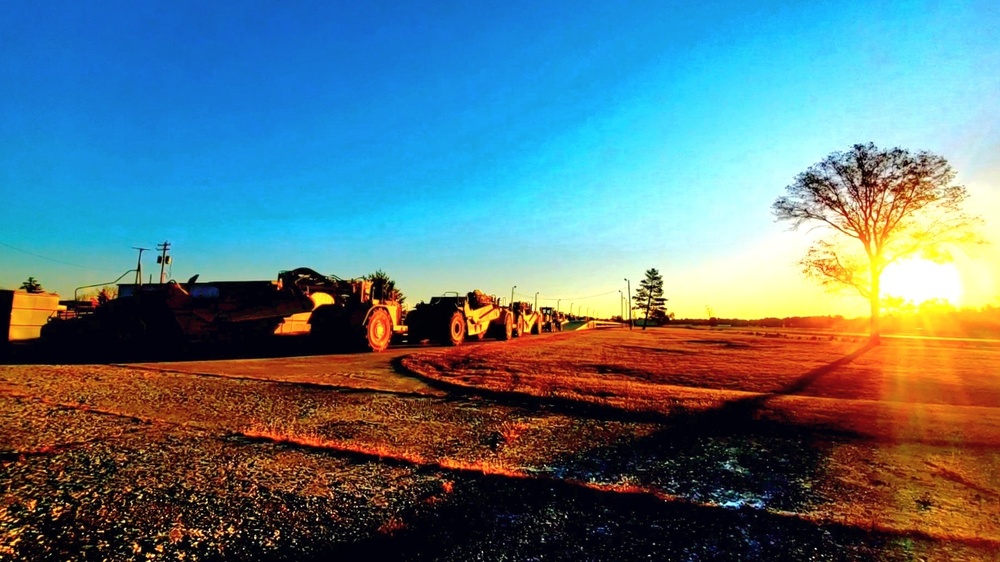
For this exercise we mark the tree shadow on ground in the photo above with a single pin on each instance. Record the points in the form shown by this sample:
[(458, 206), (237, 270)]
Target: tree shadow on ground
[(498, 518), (728, 456)]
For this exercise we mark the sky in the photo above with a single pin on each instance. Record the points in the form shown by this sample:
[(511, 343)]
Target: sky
[(559, 147)]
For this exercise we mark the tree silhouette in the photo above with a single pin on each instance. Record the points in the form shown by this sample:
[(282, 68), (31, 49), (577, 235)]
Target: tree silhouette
[(106, 295), (384, 287), (648, 297), (32, 285), (891, 203)]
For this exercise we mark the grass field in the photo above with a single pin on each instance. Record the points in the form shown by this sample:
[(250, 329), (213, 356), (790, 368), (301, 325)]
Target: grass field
[(604, 444)]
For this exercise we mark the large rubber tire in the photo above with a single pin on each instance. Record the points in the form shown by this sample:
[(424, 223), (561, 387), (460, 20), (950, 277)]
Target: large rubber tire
[(456, 328), (519, 328), (508, 329), (414, 321), (379, 330)]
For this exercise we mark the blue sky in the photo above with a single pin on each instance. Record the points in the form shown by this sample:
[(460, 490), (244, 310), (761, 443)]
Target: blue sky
[(560, 147)]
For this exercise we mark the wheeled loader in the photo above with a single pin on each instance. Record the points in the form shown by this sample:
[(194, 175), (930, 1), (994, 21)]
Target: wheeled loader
[(451, 318), (347, 313), (552, 319), (526, 320)]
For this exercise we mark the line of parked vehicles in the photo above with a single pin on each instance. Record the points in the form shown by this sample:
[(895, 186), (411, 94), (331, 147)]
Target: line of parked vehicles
[(334, 312)]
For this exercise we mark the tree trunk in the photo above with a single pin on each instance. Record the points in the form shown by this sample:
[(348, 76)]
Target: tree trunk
[(874, 330), (648, 304)]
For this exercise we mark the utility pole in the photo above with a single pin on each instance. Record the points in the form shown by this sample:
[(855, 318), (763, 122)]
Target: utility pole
[(629, 287), (163, 259), (512, 295), (138, 265), (536, 300), (557, 305), (621, 305)]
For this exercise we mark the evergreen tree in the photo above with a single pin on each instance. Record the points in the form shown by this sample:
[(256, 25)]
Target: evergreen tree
[(384, 287), (32, 285), (648, 297)]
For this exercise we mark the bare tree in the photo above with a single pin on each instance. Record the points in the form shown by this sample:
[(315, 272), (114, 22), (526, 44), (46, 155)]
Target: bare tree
[(891, 203), (107, 294)]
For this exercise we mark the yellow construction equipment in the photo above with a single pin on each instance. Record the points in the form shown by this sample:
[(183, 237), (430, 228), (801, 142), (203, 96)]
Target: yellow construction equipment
[(451, 318), (526, 320)]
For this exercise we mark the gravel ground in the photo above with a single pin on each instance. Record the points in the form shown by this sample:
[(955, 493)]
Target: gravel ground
[(144, 492), (136, 490)]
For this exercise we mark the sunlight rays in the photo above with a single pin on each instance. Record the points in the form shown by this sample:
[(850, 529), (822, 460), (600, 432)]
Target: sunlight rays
[(920, 280)]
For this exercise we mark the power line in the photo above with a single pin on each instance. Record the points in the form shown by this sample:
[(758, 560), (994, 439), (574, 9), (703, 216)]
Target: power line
[(48, 258), (540, 297)]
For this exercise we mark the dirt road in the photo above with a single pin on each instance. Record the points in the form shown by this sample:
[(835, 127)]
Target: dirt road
[(372, 371)]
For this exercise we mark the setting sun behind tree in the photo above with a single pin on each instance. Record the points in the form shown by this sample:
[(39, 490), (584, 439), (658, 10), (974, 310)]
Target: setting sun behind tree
[(919, 280), (879, 207)]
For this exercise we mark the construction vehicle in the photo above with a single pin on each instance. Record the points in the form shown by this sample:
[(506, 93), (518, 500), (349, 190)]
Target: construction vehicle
[(526, 320), (451, 318), (552, 319), (346, 313), (165, 315)]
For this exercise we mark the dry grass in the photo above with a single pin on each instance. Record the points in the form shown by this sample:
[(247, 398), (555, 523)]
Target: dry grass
[(512, 430), (910, 390), (285, 434), (906, 401), (392, 526), (960, 373), (305, 438)]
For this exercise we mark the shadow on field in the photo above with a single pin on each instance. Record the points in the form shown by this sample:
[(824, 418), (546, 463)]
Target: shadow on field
[(727, 415), (809, 377), (497, 518), (729, 470), (725, 456), (735, 416), (530, 402)]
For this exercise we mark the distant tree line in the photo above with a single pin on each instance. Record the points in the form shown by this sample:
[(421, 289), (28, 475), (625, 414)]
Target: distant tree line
[(941, 318), (932, 318), (814, 322)]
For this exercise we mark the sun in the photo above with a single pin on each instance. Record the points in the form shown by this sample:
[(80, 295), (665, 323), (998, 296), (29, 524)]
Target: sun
[(918, 280)]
